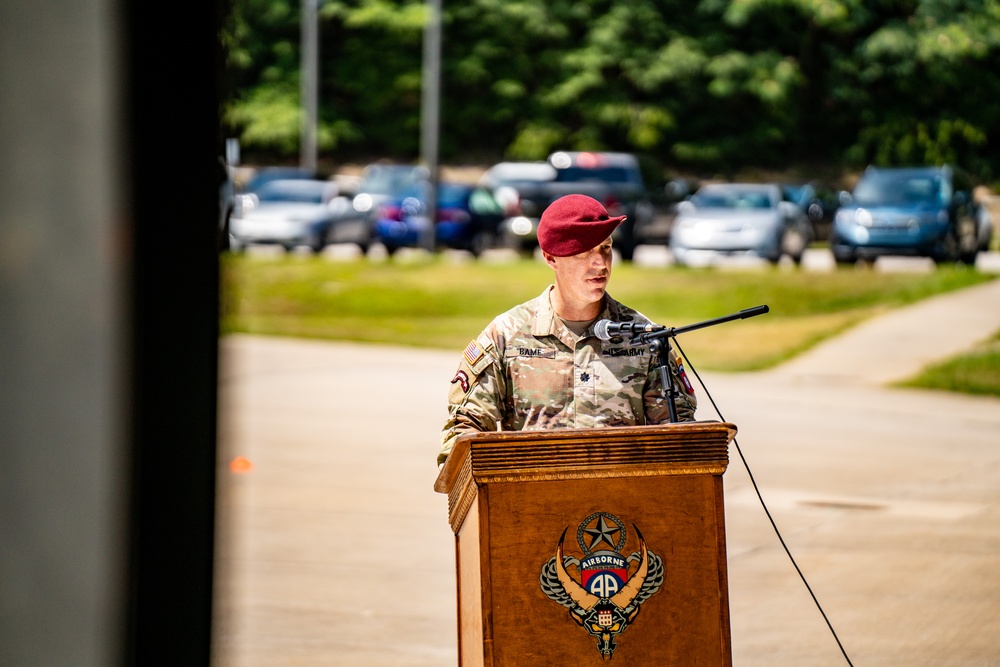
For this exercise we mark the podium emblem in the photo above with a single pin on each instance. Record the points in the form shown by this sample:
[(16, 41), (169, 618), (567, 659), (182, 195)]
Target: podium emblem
[(605, 598)]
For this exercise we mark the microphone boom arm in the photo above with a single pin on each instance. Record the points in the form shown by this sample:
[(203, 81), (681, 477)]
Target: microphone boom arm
[(659, 348), (670, 332)]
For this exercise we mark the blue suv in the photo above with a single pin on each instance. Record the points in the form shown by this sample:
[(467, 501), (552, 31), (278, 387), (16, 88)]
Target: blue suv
[(922, 211)]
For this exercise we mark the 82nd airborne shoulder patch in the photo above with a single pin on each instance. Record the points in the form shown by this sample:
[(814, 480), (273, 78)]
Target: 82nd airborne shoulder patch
[(462, 378)]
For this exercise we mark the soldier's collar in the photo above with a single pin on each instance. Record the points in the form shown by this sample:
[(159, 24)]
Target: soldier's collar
[(547, 323)]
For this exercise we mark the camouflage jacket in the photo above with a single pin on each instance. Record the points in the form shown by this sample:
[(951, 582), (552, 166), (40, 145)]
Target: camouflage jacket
[(528, 371)]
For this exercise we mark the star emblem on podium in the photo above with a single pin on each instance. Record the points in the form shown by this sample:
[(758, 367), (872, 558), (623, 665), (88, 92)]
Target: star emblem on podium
[(602, 531)]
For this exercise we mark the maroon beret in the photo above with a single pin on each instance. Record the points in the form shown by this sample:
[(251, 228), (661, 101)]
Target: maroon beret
[(574, 224)]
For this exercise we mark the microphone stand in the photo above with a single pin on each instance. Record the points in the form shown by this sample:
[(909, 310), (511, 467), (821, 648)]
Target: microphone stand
[(659, 348)]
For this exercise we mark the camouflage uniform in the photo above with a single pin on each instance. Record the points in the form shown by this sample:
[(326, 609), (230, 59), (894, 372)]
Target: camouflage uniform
[(528, 371)]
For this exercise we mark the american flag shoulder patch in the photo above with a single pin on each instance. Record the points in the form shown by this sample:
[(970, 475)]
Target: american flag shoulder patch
[(473, 353)]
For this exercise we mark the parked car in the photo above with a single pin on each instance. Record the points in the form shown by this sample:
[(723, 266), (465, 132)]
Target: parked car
[(296, 212), (615, 180), (819, 201), (468, 218), (381, 182), (523, 190), (749, 219), (665, 200), (921, 211), (260, 176), (264, 175)]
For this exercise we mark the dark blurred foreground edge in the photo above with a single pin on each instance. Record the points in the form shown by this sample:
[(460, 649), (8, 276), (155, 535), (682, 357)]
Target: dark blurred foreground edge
[(171, 101)]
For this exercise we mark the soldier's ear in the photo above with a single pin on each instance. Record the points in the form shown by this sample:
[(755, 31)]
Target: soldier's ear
[(550, 259)]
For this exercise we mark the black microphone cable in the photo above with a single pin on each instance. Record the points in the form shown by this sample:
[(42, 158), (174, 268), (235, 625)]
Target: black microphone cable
[(774, 525)]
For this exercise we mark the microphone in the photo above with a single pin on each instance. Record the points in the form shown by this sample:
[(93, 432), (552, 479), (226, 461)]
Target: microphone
[(605, 329)]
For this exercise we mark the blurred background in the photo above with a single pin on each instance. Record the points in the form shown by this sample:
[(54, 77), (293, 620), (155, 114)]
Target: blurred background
[(801, 95), (140, 142)]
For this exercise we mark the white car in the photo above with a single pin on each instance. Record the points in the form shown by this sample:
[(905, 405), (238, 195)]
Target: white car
[(739, 219), (297, 212)]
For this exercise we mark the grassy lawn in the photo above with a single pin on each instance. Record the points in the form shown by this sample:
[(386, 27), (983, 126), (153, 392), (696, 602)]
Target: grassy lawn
[(974, 372), (441, 303)]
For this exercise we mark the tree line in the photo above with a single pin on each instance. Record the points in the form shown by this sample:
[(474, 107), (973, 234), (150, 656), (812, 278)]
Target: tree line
[(711, 86)]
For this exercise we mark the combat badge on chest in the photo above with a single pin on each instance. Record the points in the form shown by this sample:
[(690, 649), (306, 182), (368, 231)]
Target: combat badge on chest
[(606, 597)]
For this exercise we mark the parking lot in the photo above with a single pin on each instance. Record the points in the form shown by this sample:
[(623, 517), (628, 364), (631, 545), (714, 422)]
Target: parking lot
[(814, 259)]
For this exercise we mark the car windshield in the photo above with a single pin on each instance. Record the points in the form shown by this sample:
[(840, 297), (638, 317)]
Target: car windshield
[(736, 199), (899, 189), (603, 174), (387, 180), (303, 192), (795, 193), (449, 194), (528, 172)]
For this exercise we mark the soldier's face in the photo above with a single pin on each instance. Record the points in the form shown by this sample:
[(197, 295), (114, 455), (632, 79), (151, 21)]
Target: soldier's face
[(583, 279)]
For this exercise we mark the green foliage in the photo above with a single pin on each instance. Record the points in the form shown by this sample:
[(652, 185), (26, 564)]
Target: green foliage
[(713, 85), (270, 118)]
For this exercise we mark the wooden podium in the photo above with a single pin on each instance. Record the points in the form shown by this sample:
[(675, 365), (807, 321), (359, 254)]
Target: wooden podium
[(577, 546)]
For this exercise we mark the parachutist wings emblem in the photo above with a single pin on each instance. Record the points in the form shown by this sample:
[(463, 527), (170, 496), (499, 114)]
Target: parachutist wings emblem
[(559, 587)]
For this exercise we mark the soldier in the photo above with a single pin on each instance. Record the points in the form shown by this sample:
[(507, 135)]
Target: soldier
[(540, 365)]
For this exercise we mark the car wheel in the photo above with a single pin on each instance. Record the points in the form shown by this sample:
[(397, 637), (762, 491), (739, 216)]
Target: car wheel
[(225, 239), (318, 241), (844, 256), (815, 211), (793, 244), (947, 250), (968, 242), (481, 242)]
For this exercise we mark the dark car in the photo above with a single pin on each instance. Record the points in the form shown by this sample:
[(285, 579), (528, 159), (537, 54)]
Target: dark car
[(523, 190), (818, 201), (468, 218), (919, 211), (382, 182), (614, 179)]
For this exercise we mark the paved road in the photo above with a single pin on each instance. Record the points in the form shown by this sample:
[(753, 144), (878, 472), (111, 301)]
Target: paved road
[(334, 550)]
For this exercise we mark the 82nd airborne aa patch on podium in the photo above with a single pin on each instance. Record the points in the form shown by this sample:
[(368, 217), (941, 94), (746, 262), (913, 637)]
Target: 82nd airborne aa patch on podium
[(604, 598)]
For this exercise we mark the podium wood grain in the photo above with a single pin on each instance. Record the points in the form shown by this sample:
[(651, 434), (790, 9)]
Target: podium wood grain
[(511, 496)]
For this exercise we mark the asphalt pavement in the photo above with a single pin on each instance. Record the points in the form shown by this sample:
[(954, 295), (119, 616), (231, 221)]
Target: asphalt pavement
[(335, 550)]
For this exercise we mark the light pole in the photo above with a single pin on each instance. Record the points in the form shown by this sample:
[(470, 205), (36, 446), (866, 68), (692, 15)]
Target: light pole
[(430, 112), (309, 83)]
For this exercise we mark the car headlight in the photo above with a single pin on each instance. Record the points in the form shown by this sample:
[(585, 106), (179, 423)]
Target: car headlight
[(858, 216), (521, 226), (247, 203), (363, 203)]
